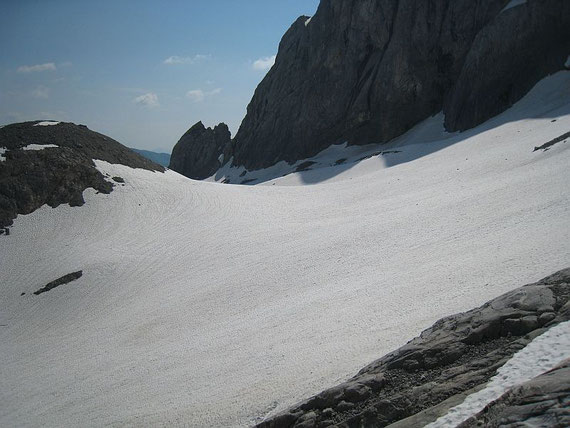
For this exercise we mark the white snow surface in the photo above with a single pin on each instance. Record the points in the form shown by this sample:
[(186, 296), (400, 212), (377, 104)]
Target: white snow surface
[(39, 146), (513, 3), (204, 304), (47, 123), (2, 151), (541, 355), (308, 20)]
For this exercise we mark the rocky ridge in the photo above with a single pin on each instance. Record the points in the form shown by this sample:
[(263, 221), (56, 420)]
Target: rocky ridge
[(60, 172), (368, 70), (419, 382)]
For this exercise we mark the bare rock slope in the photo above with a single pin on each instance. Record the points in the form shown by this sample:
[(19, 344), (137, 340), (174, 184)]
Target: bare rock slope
[(457, 355)]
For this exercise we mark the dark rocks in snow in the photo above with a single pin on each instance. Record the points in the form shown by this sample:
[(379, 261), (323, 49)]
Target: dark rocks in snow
[(56, 175), (419, 382), (201, 151), (66, 279), (552, 142), (118, 179), (541, 402), (367, 71)]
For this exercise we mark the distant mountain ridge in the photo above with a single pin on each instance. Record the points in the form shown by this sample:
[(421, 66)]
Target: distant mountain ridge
[(368, 70), (160, 158)]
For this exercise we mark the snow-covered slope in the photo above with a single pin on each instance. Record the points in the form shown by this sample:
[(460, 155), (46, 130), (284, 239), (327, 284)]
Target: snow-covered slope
[(205, 305)]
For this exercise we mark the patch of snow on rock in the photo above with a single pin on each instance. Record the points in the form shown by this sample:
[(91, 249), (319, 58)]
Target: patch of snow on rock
[(39, 146), (513, 3), (2, 151), (541, 355), (567, 63), (47, 123), (307, 21)]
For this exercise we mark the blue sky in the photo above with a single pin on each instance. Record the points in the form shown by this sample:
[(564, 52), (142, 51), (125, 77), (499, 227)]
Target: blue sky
[(141, 72)]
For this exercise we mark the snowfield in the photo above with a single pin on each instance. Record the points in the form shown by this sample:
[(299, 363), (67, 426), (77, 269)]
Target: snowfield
[(204, 304)]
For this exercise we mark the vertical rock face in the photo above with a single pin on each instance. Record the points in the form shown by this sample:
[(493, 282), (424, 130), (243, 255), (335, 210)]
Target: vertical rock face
[(516, 49), (366, 71), (201, 151)]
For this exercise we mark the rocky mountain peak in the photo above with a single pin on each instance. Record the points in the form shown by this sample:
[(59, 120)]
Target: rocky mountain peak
[(367, 71)]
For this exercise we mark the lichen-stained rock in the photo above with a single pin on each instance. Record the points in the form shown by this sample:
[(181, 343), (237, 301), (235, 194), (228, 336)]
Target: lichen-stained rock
[(366, 71), (458, 354), (201, 151), (58, 169)]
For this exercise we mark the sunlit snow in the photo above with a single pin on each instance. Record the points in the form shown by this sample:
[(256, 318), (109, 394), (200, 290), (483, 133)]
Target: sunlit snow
[(543, 354), (2, 151), (47, 123), (204, 304), (39, 146)]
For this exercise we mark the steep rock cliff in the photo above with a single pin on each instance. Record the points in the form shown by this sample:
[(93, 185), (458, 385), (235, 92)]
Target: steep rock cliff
[(366, 71)]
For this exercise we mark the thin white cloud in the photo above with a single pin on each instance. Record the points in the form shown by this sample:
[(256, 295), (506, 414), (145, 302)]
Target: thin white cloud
[(198, 95), (41, 92), (149, 100), (48, 66), (265, 63), (175, 59)]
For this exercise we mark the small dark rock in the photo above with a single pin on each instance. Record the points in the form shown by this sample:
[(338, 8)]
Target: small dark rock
[(60, 281), (118, 179), (344, 406)]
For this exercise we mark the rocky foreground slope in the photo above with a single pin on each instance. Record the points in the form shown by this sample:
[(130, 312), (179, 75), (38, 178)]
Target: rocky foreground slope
[(456, 356), (52, 163), (368, 70)]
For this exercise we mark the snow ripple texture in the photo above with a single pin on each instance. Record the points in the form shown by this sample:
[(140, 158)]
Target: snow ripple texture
[(204, 304), (541, 355)]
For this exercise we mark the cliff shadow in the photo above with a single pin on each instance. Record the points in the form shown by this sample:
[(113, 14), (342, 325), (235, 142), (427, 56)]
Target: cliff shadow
[(549, 99)]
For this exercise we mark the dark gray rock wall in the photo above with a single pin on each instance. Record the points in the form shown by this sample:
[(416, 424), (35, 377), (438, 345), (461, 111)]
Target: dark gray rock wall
[(366, 71), (197, 153), (456, 355), (509, 55), (54, 176)]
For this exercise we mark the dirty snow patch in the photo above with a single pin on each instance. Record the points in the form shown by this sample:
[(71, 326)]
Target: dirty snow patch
[(39, 146), (513, 3), (541, 355), (47, 123)]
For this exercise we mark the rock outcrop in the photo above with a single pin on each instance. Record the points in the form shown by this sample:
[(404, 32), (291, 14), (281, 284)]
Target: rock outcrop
[(366, 71), (457, 355), (55, 175), (201, 151), (541, 402)]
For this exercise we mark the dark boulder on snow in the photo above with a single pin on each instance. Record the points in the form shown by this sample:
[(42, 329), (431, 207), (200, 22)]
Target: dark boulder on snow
[(201, 151), (419, 382), (367, 71), (55, 175)]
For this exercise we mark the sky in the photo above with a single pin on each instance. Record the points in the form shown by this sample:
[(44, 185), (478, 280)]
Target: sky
[(141, 72)]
